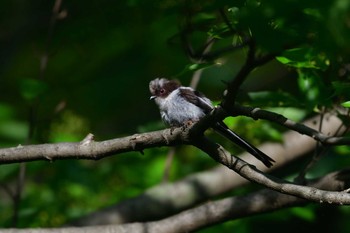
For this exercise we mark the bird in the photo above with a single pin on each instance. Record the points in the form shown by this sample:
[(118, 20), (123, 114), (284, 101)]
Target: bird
[(179, 105)]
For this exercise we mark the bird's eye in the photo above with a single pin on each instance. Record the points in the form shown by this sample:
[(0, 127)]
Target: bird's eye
[(162, 91)]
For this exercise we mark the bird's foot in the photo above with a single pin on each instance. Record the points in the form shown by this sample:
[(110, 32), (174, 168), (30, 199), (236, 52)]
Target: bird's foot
[(186, 125)]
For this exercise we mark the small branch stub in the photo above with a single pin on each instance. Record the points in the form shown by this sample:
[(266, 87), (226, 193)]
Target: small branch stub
[(88, 139)]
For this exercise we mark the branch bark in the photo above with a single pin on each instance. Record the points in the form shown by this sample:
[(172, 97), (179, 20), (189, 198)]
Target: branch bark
[(89, 149), (257, 113), (213, 212), (168, 199), (295, 145), (250, 172), (92, 150)]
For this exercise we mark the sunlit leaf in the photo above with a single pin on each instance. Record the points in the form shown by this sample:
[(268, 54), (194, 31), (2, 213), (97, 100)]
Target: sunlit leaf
[(295, 114), (346, 104), (303, 58), (343, 150), (315, 91)]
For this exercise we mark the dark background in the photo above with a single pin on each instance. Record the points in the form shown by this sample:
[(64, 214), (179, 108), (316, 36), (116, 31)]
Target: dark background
[(101, 56)]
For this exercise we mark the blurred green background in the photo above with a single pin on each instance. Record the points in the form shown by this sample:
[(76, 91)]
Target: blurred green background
[(88, 71)]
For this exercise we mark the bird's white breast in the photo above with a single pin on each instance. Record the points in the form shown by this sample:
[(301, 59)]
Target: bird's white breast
[(175, 110)]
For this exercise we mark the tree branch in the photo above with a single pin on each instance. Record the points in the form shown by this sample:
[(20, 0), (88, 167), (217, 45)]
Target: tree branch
[(168, 199), (213, 212), (234, 85), (242, 206), (251, 173), (89, 149), (257, 113), (93, 150)]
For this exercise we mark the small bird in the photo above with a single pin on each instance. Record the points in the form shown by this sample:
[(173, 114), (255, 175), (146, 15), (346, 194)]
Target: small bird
[(179, 105)]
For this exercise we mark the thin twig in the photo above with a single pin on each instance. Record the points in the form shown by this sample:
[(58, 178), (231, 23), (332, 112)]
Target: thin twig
[(235, 84), (317, 152), (201, 216), (257, 113)]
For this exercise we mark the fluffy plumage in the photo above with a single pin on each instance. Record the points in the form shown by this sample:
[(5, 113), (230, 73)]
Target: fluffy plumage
[(178, 105)]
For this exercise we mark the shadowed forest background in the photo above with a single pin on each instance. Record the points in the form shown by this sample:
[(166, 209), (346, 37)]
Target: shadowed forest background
[(85, 68)]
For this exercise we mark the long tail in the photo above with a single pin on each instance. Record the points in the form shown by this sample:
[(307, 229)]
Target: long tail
[(221, 128)]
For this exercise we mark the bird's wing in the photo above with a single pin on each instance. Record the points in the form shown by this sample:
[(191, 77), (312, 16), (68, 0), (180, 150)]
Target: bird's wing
[(196, 98)]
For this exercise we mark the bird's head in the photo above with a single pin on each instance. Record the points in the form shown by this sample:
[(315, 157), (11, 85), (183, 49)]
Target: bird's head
[(161, 87)]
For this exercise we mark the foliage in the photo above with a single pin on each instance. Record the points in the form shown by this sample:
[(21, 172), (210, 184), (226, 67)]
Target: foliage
[(101, 56)]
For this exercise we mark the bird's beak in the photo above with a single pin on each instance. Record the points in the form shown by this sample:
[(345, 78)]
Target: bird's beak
[(152, 97)]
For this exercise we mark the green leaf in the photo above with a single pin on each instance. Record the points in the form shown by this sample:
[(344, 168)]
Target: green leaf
[(304, 58), (343, 150), (283, 60), (346, 104), (295, 114), (314, 89)]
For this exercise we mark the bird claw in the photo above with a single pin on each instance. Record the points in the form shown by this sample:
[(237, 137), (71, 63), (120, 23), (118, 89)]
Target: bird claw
[(172, 130), (186, 125)]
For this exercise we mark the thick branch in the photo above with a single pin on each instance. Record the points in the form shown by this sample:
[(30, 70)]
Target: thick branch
[(166, 199), (251, 62), (234, 85), (242, 206), (90, 149), (249, 172), (213, 212)]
